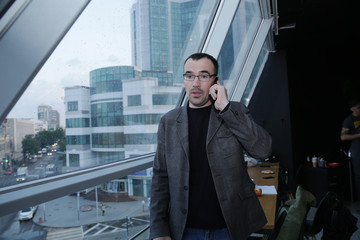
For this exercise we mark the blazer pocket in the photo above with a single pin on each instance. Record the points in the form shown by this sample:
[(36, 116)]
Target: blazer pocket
[(224, 133), (227, 141)]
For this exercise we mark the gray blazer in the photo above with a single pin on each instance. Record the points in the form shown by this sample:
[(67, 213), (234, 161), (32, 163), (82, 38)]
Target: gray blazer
[(229, 134)]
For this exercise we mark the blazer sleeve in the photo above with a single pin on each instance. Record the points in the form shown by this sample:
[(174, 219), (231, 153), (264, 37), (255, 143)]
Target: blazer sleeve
[(256, 141), (160, 197)]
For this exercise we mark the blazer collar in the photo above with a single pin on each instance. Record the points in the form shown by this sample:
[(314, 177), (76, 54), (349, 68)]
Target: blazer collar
[(214, 124), (182, 126)]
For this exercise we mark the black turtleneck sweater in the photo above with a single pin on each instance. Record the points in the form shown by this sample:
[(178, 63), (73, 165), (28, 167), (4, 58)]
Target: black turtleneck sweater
[(204, 208)]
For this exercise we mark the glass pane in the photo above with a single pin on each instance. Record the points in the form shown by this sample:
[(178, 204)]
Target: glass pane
[(118, 209), (238, 42), (101, 94), (107, 84), (259, 65)]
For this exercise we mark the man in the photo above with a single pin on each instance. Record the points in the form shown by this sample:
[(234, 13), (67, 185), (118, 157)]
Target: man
[(351, 132), (200, 187)]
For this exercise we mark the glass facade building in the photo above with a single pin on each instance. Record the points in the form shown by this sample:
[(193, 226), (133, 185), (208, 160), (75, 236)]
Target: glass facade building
[(159, 32)]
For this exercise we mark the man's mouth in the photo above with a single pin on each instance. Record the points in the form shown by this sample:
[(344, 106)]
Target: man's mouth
[(196, 93)]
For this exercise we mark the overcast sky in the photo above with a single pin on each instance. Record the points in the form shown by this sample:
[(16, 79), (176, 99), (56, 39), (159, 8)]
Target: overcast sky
[(99, 38)]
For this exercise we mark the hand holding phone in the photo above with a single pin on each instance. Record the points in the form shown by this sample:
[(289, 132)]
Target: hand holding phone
[(219, 94)]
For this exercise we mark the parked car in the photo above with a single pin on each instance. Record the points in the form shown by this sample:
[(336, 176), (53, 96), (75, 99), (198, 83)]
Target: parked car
[(27, 213), (9, 171)]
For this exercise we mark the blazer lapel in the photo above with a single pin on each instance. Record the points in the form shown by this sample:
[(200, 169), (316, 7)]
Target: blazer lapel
[(214, 124), (182, 129)]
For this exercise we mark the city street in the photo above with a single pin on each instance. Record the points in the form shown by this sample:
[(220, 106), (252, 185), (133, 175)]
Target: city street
[(36, 170), (70, 216), (61, 217), (11, 228)]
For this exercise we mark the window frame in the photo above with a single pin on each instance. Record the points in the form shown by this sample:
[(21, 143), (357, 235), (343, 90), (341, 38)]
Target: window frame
[(16, 197)]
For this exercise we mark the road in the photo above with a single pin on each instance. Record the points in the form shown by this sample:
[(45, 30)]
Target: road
[(36, 170), (11, 228)]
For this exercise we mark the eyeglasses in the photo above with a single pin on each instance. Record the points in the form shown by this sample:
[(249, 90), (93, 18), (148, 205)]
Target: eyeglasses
[(205, 77)]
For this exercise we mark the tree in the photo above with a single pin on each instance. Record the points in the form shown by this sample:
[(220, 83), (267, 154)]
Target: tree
[(49, 137), (58, 134), (30, 145), (44, 138), (62, 145)]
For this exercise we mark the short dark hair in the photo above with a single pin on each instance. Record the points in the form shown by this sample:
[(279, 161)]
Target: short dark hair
[(353, 102), (198, 56)]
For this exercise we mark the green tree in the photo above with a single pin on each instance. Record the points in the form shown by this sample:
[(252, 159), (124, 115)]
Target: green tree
[(49, 137), (62, 145), (30, 145), (58, 134), (44, 138)]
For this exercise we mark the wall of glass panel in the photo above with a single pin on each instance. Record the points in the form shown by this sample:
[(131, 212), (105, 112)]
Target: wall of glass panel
[(238, 42), (124, 103)]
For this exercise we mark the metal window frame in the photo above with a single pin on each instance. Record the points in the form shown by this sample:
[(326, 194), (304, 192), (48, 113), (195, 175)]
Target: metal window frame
[(16, 197), (29, 33)]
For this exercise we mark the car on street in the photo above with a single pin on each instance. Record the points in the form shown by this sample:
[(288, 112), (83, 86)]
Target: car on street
[(27, 213), (9, 171)]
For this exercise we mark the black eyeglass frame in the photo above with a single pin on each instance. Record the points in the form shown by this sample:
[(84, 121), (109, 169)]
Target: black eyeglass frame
[(206, 79)]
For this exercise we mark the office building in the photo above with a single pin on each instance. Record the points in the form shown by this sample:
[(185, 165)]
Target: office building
[(77, 129), (159, 30), (47, 114)]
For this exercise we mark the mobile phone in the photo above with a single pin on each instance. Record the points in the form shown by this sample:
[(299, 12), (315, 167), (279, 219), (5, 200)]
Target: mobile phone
[(215, 80), (211, 99)]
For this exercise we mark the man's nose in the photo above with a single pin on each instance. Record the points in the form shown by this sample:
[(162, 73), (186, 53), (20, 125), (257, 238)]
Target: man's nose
[(196, 81)]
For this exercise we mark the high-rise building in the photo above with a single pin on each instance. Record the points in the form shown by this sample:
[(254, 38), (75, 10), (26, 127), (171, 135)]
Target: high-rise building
[(43, 112), (159, 30), (125, 99), (125, 103), (47, 114), (121, 104), (77, 114), (18, 129), (54, 120)]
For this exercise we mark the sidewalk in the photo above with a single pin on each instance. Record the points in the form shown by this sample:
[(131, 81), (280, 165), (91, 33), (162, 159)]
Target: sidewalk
[(63, 212)]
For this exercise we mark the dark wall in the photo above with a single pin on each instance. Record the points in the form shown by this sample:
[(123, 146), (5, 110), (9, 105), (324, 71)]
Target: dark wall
[(317, 101), (269, 106), (302, 95), (322, 75), (302, 100)]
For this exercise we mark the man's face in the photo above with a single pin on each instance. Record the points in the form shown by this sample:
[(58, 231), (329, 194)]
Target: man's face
[(197, 91), (356, 109)]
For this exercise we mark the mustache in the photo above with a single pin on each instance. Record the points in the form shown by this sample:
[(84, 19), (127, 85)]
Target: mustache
[(196, 89)]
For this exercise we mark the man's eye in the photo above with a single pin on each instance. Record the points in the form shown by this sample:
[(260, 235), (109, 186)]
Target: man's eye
[(204, 76)]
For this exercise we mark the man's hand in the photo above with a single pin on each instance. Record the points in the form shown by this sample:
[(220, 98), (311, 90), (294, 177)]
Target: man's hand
[(163, 238), (219, 94)]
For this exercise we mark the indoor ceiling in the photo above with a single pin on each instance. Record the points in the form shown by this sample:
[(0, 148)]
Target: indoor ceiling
[(325, 22)]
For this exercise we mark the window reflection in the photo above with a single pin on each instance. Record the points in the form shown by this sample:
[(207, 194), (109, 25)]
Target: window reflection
[(255, 75), (238, 41)]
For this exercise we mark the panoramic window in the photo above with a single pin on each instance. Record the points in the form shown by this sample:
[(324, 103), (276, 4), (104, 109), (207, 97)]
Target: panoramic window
[(113, 70), (255, 74), (238, 41), (99, 98)]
